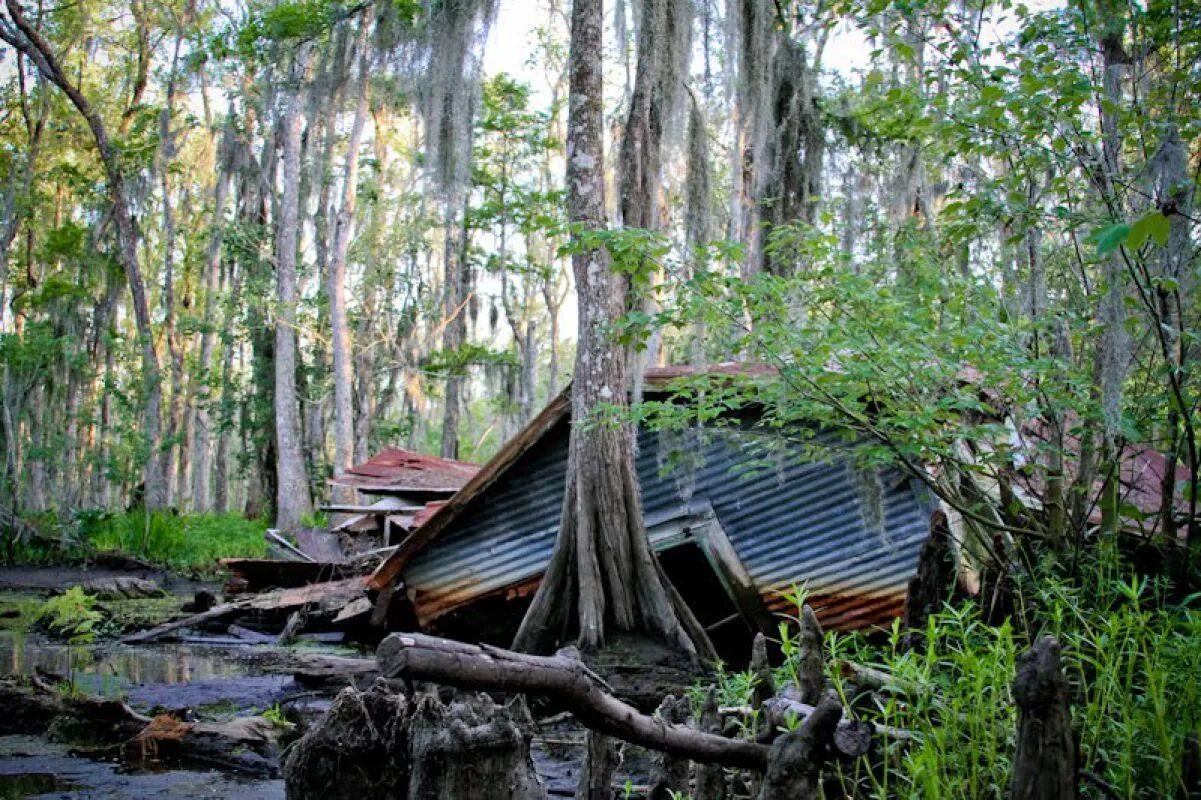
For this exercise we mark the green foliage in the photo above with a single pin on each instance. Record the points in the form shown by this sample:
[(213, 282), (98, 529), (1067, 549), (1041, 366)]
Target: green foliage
[(1125, 652), (177, 541), (275, 715), (315, 519), (1152, 226), (72, 615)]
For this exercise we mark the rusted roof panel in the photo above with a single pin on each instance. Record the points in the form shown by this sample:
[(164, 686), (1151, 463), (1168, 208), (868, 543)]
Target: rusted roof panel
[(793, 523), (394, 469), (1140, 474)]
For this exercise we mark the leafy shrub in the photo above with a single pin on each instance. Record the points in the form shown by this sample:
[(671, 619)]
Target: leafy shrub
[(72, 614)]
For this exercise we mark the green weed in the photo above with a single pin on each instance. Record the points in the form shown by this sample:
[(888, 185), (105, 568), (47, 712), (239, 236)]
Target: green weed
[(177, 541), (1131, 657)]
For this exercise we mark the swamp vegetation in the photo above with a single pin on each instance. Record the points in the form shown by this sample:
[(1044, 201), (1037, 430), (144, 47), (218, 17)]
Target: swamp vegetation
[(245, 245)]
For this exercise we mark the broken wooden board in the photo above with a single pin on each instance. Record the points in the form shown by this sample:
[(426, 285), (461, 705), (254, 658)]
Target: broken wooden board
[(331, 597)]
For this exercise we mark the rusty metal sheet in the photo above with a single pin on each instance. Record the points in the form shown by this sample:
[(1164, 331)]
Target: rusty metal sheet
[(395, 469)]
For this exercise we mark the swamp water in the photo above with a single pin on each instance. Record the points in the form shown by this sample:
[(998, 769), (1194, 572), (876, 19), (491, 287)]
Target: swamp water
[(211, 682)]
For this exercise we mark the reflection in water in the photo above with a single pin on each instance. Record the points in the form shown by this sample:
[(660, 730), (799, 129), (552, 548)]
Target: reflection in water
[(111, 669), (32, 784)]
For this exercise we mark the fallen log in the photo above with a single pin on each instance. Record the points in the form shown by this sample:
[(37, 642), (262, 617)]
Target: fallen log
[(565, 679)]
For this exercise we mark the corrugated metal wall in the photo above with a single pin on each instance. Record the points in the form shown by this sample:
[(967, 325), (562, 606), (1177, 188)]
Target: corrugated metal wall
[(789, 522)]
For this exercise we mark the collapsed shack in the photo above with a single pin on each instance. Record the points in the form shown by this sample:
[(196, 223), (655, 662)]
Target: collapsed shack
[(736, 525)]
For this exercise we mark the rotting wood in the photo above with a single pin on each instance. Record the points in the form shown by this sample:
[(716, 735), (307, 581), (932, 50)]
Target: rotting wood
[(875, 679), (811, 662), (779, 709), (765, 687), (379, 744), (564, 679), (797, 757), (936, 576), (333, 595), (34, 707), (1045, 763), (273, 537), (291, 628), (670, 774)]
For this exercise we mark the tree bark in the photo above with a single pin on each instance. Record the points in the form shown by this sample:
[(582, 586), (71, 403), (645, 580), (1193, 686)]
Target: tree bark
[(669, 777), (602, 572), (602, 757), (455, 319), (293, 497), (203, 398), (710, 781), (343, 358), (796, 760)]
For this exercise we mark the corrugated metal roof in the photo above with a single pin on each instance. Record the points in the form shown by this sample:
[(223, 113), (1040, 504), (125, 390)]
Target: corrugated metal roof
[(795, 523), (395, 469)]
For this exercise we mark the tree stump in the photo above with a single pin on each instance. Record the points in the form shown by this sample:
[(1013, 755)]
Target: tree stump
[(1045, 765), (359, 749), (933, 584), (710, 780), (601, 759), (765, 686), (671, 772), (795, 764), (377, 744), (811, 661), (472, 749)]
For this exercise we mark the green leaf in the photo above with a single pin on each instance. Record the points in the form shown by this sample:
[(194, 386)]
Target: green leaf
[(1111, 238), (1153, 225)]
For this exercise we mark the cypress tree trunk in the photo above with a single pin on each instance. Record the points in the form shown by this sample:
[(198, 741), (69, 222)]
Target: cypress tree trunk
[(602, 575)]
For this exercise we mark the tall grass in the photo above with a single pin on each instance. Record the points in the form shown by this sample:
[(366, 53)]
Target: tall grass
[(1133, 661), (178, 541)]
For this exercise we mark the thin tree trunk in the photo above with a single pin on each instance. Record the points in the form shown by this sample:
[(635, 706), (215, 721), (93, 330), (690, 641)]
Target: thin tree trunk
[(293, 498), (343, 358)]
